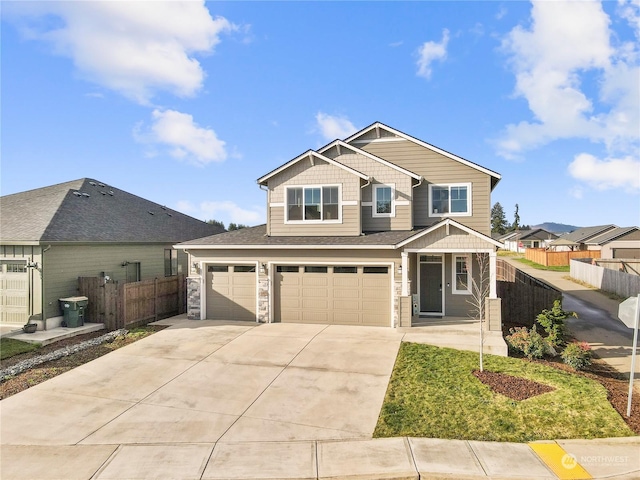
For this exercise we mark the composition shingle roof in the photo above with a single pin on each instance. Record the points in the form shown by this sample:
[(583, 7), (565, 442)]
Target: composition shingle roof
[(611, 235), (88, 210), (257, 236), (583, 234)]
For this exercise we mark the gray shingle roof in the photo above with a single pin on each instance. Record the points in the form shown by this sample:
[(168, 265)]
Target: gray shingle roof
[(583, 234), (610, 235), (258, 236), (88, 210)]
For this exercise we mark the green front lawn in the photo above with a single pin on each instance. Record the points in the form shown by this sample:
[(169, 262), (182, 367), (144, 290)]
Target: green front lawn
[(433, 393), (10, 347), (562, 268)]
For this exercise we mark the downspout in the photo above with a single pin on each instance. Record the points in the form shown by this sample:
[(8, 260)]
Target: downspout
[(268, 228), (44, 317)]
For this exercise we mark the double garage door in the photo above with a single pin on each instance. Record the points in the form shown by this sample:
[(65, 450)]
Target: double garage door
[(341, 295)]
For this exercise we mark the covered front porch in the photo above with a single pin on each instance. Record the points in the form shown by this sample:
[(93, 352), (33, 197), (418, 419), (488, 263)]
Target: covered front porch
[(448, 276)]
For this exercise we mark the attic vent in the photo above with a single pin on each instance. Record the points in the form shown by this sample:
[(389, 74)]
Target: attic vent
[(85, 194), (111, 192), (163, 207), (150, 213), (103, 193), (169, 214), (77, 194), (93, 183), (101, 184)]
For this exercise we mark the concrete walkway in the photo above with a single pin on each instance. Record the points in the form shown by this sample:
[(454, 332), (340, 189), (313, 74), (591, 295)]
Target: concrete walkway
[(235, 400)]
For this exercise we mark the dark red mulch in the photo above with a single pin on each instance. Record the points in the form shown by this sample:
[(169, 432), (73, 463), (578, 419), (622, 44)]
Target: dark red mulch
[(515, 388)]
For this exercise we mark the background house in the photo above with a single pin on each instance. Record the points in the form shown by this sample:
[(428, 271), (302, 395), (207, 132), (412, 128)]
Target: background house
[(578, 239), (520, 240), (50, 236), (380, 229)]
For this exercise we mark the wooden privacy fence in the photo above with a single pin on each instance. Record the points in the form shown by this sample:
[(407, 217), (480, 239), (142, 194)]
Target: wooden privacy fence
[(549, 258), (620, 283), (123, 305), (523, 296)]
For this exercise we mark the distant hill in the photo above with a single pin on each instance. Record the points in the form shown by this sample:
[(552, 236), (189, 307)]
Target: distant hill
[(556, 227)]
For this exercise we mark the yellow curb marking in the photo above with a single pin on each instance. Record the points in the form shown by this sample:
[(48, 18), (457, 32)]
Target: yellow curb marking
[(563, 464)]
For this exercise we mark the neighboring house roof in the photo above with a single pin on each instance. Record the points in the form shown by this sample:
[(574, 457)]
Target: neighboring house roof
[(359, 151), (505, 236), (309, 154), (611, 235), (378, 125), (582, 235), (87, 210), (533, 234)]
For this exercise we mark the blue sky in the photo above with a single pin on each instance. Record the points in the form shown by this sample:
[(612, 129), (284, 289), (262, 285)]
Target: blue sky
[(188, 103)]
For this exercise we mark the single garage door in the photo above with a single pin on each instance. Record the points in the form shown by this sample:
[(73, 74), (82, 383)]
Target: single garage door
[(231, 292), (14, 292), (341, 295)]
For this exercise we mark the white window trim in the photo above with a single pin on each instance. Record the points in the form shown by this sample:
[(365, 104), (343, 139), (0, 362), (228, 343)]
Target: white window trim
[(374, 201), (311, 222), (454, 284), (468, 213)]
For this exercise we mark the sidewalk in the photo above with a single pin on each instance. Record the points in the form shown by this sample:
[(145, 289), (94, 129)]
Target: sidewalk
[(388, 458)]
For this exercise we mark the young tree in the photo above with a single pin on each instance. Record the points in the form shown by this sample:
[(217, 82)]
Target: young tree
[(516, 219), (499, 222), (477, 300)]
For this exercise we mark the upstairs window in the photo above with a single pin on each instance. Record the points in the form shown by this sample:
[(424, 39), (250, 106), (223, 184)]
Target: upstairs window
[(383, 201), (450, 200), (313, 204)]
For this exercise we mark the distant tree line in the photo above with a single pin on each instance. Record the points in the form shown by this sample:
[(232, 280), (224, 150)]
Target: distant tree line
[(232, 226), (499, 223)]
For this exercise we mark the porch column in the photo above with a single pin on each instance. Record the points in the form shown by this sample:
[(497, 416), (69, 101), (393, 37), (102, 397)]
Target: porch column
[(405, 274), (492, 274)]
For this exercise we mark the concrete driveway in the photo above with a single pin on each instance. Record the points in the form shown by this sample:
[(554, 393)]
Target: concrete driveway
[(205, 382)]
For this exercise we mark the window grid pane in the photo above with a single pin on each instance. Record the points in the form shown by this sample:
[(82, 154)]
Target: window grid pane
[(330, 203), (312, 204), (462, 280), (440, 202), (294, 204), (383, 200)]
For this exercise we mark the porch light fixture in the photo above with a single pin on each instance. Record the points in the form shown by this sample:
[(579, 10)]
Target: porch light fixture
[(263, 268), (399, 269)]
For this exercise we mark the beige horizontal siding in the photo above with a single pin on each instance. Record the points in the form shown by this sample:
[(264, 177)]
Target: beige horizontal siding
[(64, 264), (350, 225), (438, 169), (401, 221)]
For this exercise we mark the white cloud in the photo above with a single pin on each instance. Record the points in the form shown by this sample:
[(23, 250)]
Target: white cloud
[(606, 174), (135, 48), (226, 211), (552, 58), (430, 52), (185, 139), (334, 126)]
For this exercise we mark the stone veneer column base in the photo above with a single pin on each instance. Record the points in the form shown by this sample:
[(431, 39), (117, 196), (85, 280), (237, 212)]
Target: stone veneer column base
[(193, 298)]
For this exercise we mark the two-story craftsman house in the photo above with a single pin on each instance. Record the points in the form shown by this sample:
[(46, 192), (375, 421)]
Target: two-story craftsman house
[(379, 229)]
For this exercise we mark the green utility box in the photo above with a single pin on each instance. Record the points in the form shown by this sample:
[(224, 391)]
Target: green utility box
[(73, 309)]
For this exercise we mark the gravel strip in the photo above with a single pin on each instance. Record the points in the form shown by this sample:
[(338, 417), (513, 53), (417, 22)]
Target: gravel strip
[(24, 365)]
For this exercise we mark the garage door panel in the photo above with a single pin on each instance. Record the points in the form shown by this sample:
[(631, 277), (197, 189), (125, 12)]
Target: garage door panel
[(314, 280), (347, 293), (14, 292), (340, 297), (231, 295)]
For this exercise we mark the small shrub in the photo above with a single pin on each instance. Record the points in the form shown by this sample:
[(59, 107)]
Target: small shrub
[(577, 355), (553, 323), (528, 342)]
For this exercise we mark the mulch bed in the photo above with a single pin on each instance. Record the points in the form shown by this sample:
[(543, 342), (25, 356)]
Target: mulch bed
[(515, 388)]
